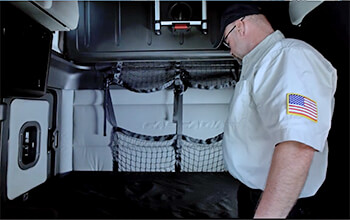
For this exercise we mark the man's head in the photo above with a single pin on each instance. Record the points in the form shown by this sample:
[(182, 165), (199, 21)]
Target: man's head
[(243, 26)]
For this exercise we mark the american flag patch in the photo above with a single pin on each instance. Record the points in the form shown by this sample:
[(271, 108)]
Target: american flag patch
[(301, 106)]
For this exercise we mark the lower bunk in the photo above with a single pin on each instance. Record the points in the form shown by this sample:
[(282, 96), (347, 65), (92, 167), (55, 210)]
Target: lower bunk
[(105, 195)]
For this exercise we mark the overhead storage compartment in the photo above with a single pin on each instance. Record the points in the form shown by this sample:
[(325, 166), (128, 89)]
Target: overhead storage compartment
[(154, 30), (54, 15), (25, 54), (26, 41), (131, 30)]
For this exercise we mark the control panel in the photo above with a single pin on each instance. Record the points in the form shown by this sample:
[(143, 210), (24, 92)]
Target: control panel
[(29, 145)]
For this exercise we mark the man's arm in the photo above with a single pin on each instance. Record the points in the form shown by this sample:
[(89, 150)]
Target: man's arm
[(289, 168)]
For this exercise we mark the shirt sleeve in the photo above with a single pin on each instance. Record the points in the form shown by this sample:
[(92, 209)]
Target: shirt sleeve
[(294, 95)]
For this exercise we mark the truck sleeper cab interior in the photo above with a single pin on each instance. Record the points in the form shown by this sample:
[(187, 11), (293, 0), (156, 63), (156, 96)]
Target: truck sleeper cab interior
[(116, 109)]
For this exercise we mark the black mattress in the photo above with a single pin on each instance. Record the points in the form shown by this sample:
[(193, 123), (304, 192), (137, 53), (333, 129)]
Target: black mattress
[(129, 195)]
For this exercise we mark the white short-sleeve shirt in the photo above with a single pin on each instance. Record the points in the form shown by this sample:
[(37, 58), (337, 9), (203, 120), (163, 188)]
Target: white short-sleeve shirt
[(285, 93)]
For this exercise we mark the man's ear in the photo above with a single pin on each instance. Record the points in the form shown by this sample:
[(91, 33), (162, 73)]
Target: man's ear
[(240, 25)]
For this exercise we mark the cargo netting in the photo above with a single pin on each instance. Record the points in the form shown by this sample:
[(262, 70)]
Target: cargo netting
[(201, 155), (134, 152), (175, 152), (146, 77)]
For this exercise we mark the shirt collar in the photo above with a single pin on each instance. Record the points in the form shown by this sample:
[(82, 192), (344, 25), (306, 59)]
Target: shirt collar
[(262, 48)]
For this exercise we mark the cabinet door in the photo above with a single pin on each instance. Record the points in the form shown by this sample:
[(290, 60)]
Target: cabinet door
[(27, 165)]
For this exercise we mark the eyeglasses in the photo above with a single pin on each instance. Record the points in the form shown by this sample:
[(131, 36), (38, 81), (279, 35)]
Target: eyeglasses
[(225, 38)]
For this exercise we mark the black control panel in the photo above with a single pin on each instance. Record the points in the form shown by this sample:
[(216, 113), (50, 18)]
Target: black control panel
[(29, 145)]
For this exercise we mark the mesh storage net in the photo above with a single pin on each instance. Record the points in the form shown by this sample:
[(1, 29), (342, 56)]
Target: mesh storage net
[(146, 77), (134, 152), (141, 153), (175, 152), (202, 155)]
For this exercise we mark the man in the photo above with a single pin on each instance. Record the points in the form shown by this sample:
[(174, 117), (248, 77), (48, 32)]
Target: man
[(275, 138)]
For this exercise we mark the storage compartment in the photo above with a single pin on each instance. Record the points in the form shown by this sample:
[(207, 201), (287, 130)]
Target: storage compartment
[(128, 31), (54, 15), (27, 164), (25, 54)]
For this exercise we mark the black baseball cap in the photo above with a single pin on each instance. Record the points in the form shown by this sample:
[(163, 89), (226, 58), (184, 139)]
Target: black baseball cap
[(235, 12)]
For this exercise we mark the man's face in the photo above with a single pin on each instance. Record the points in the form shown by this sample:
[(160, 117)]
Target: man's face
[(231, 40)]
